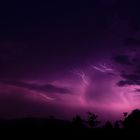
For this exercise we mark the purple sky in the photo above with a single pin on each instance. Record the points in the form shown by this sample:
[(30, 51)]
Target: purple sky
[(65, 58)]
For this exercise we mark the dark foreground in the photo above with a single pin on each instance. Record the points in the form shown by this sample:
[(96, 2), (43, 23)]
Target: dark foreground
[(55, 129), (127, 127)]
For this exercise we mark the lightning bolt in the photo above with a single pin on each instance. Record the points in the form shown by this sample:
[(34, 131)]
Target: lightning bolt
[(46, 97), (43, 96), (82, 75), (103, 68), (98, 69)]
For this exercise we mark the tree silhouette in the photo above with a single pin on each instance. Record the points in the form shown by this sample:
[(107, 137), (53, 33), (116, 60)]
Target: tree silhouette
[(108, 125), (117, 125), (125, 114), (92, 120), (78, 122), (132, 120)]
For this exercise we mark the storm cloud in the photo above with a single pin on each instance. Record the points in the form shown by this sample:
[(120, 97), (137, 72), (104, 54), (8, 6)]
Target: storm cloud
[(44, 88)]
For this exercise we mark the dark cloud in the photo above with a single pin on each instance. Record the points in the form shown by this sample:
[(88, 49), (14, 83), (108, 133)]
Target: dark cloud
[(45, 88), (131, 67), (137, 90), (127, 82), (121, 83), (123, 59), (129, 79)]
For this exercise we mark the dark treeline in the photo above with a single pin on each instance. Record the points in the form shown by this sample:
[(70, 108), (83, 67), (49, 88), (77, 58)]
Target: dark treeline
[(131, 120)]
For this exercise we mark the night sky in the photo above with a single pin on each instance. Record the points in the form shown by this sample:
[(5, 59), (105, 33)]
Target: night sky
[(65, 58)]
